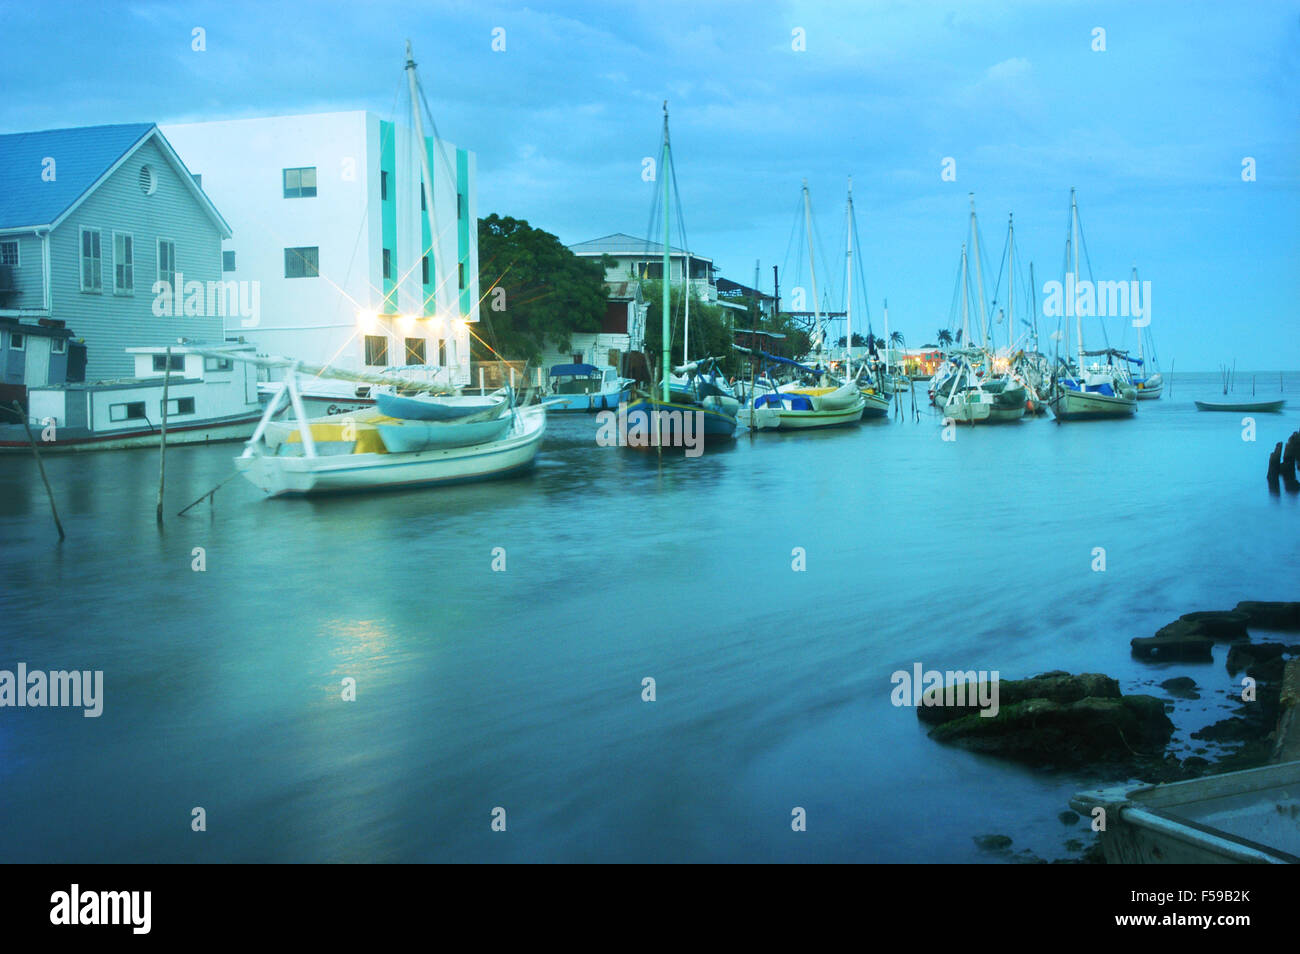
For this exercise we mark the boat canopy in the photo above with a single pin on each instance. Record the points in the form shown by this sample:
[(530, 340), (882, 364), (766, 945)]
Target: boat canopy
[(582, 370)]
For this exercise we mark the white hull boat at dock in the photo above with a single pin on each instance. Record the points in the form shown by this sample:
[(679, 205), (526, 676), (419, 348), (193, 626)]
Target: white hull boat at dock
[(284, 474)]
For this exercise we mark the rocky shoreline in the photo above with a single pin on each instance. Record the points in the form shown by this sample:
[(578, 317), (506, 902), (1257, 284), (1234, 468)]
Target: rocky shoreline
[(1063, 721)]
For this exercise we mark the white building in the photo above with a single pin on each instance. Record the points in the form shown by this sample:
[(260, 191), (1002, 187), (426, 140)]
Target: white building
[(326, 211), (636, 259)]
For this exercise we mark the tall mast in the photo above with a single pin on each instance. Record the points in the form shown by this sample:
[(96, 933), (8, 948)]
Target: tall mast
[(1033, 303), (887, 342), (434, 235), (848, 286), (979, 273), (965, 300), (1073, 293), (1011, 284), (1141, 351), (668, 282), (812, 267), (686, 287)]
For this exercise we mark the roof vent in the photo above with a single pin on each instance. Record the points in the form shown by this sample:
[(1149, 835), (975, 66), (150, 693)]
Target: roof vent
[(148, 181)]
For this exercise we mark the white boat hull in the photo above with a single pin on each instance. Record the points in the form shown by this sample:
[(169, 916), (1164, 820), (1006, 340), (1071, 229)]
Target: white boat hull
[(1070, 405), (342, 473)]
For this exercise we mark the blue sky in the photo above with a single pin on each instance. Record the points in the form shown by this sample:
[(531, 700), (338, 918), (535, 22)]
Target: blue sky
[(1152, 131)]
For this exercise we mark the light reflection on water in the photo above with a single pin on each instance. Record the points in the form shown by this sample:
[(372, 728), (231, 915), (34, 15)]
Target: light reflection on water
[(522, 689)]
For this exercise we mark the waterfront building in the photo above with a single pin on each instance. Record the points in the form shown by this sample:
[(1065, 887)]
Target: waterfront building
[(92, 219), (329, 213)]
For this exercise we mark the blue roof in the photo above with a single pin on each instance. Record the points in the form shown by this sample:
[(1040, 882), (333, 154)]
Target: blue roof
[(575, 369), (81, 157)]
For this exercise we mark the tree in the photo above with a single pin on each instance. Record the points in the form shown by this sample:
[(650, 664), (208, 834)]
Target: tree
[(535, 291), (858, 340), (711, 334), (945, 336)]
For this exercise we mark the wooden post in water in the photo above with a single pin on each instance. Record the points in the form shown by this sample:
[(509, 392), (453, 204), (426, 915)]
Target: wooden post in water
[(18, 409), (162, 444)]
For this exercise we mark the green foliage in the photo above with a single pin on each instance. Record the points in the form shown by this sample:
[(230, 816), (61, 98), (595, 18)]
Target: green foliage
[(711, 334), (549, 293)]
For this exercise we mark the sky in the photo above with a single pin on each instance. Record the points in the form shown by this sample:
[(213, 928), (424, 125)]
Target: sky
[(1154, 131)]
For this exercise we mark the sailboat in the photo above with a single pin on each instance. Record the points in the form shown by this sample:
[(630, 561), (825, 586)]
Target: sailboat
[(1088, 392), (698, 405), (1150, 384), (875, 391), (408, 440), (818, 398)]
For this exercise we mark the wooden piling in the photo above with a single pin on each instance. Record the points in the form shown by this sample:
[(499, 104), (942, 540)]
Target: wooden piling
[(18, 409), (162, 444)]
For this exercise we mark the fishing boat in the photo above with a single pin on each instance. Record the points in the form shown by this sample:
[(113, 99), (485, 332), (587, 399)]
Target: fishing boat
[(210, 397), (429, 407), (351, 452), (1093, 391), (1150, 383), (585, 387), (1250, 407), (697, 407), (1242, 817)]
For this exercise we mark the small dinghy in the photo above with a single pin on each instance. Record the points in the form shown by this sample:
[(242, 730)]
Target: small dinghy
[(1257, 407), (408, 437), (433, 407)]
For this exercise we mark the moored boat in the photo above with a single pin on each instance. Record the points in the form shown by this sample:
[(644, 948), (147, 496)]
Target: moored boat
[(1257, 407), (446, 407)]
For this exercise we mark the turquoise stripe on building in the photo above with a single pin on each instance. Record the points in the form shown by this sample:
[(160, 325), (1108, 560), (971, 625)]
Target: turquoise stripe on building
[(388, 213), (462, 228), (431, 286)]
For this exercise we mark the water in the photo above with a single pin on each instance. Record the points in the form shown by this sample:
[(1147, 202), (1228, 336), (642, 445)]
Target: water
[(522, 689)]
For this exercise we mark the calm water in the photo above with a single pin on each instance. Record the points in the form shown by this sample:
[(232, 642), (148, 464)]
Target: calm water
[(522, 689)]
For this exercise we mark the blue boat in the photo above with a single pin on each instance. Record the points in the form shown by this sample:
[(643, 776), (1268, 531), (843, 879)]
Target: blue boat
[(585, 387), (678, 423), (409, 437), (428, 407)]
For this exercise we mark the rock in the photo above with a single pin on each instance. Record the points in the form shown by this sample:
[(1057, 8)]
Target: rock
[(993, 842), (1244, 655), (1229, 730), (1188, 646), (1068, 817), (1283, 616), (1216, 624), (938, 707), (1195, 764), (1183, 687), (1045, 732)]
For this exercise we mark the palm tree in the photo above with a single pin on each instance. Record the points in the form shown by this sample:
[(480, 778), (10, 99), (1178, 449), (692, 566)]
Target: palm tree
[(945, 336)]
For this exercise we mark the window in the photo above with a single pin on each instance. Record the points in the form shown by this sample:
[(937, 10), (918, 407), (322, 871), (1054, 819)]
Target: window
[(148, 181), (460, 205), (442, 352), (134, 411), (217, 364), (462, 274), (17, 342), (58, 345), (300, 183), (383, 185), (92, 279), (9, 253), (123, 263), (415, 351), (177, 362), (388, 264), (423, 207), (424, 269), (167, 264), (183, 405), (227, 261), (302, 262), (376, 350)]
